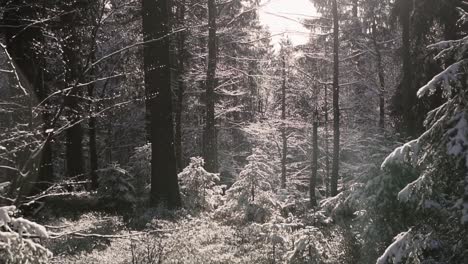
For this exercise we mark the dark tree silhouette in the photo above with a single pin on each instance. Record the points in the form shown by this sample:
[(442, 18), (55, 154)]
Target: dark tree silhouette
[(164, 184)]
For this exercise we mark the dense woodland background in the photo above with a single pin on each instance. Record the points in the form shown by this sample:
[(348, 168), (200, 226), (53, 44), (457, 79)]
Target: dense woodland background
[(175, 131)]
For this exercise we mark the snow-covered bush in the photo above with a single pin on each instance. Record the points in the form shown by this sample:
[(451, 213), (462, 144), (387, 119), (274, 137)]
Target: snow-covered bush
[(140, 167), (323, 245), (308, 247), (252, 197), (440, 156), (19, 239), (198, 186), (115, 188)]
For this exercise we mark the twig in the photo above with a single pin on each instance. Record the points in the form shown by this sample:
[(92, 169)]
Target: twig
[(79, 234)]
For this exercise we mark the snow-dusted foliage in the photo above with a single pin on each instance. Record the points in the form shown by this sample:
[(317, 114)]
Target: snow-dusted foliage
[(440, 156), (19, 239), (401, 154), (115, 188), (397, 251), (199, 187), (252, 196), (409, 247), (140, 167), (309, 246)]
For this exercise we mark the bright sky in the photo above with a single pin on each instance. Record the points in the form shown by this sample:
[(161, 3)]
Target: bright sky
[(283, 16)]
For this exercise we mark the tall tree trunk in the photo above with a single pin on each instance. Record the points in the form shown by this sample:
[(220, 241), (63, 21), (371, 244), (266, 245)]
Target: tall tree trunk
[(409, 95), (210, 145), (381, 75), (283, 128), (92, 130), (313, 176), (336, 104), (181, 58), (74, 134), (164, 183)]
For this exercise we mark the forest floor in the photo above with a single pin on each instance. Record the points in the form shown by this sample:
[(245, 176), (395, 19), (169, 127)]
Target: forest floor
[(100, 238), (175, 238)]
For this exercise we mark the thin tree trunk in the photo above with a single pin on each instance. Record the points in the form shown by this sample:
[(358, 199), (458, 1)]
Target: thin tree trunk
[(283, 128), (336, 104), (93, 156), (313, 176), (327, 147), (181, 87), (381, 77), (210, 145), (164, 183)]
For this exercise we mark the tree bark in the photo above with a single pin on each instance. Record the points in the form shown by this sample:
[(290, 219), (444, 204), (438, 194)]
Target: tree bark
[(181, 58), (164, 183), (336, 104), (210, 145), (283, 127)]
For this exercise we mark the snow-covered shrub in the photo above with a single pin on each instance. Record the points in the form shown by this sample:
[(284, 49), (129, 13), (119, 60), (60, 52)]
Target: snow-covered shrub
[(19, 239), (322, 245), (440, 155), (140, 167), (198, 186), (252, 197), (115, 188), (307, 247)]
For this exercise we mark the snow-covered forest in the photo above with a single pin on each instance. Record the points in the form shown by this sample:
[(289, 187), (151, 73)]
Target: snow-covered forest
[(189, 131)]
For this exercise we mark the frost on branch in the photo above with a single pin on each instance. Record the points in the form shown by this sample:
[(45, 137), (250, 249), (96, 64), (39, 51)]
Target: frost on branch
[(400, 155), (408, 247), (17, 239), (443, 79), (398, 250)]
